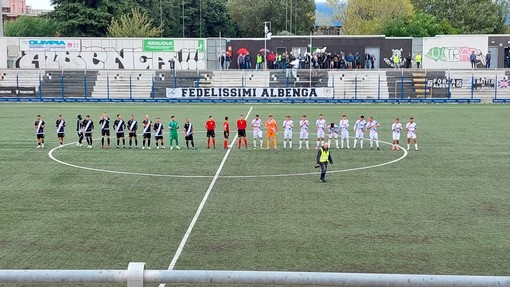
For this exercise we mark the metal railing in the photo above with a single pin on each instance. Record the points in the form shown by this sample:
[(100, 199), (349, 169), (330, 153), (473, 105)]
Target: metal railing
[(136, 275)]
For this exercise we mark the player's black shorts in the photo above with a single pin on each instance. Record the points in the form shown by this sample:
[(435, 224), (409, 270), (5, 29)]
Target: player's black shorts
[(61, 135), (132, 135), (226, 134), (211, 134), (40, 136), (189, 137), (241, 133), (89, 135), (105, 133), (146, 136), (158, 138), (120, 135)]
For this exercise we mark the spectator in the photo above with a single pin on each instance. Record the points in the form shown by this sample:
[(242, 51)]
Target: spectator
[(240, 61), (222, 61), (247, 61), (472, 59), (417, 59), (228, 57), (372, 60), (270, 60), (408, 61), (507, 60), (367, 60), (357, 60), (349, 59), (260, 60), (488, 60)]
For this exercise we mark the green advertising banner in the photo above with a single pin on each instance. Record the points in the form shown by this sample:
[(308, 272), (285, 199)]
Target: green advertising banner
[(151, 45), (201, 45)]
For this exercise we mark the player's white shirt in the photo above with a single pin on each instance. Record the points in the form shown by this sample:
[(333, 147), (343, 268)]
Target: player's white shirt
[(359, 128), (396, 128), (303, 126), (344, 128), (372, 126), (256, 124), (287, 129), (333, 131), (321, 126), (411, 130)]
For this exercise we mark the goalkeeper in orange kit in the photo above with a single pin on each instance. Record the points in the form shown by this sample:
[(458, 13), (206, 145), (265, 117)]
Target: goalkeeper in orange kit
[(272, 130)]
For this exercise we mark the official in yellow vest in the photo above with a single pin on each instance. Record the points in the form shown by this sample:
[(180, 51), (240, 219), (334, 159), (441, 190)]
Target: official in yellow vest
[(323, 158), (418, 60)]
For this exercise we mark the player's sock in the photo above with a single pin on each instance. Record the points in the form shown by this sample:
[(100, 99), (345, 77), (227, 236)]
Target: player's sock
[(355, 143), (274, 143), (377, 143), (192, 143), (123, 142), (239, 143), (143, 142), (187, 144), (108, 140), (267, 144), (300, 144), (336, 142), (245, 142), (148, 142), (322, 142), (118, 142), (102, 141), (224, 144), (284, 144), (214, 142), (290, 144), (130, 142), (371, 143), (415, 146), (254, 143), (318, 143), (361, 143), (136, 142), (208, 142), (306, 141), (408, 146)]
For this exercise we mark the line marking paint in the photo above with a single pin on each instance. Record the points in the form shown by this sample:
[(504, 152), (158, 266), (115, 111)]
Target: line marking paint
[(201, 206)]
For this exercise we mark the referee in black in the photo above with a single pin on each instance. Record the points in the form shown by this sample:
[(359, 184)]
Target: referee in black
[(323, 158)]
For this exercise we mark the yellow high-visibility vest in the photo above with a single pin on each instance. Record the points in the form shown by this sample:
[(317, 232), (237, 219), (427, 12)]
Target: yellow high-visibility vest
[(259, 59), (324, 155), (418, 58)]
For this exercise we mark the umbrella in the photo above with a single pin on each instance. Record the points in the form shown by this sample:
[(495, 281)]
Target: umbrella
[(264, 50), (242, 51)]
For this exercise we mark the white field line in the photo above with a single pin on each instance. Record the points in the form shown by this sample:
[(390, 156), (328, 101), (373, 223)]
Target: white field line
[(201, 206)]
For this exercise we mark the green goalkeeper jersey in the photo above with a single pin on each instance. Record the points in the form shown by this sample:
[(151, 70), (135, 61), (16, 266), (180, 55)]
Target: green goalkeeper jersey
[(174, 127)]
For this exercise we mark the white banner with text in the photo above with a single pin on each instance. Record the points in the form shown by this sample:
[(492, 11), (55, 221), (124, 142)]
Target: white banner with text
[(324, 92)]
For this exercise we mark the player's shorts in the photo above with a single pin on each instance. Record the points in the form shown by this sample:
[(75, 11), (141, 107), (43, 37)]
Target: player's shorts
[(396, 136), (226, 134), (359, 134), (320, 134), (105, 133), (211, 134), (271, 134), (303, 134), (241, 133), (40, 136), (189, 137), (287, 134), (158, 138), (146, 135), (257, 134), (132, 135), (345, 134), (61, 135), (374, 136), (120, 135), (88, 134), (411, 135), (333, 135)]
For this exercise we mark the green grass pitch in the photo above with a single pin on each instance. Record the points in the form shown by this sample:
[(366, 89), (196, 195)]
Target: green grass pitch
[(443, 209)]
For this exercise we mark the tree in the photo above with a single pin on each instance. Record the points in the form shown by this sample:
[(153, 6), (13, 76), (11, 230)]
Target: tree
[(294, 16), (29, 26), (419, 25), (134, 24), (86, 18), (469, 16), (368, 17)]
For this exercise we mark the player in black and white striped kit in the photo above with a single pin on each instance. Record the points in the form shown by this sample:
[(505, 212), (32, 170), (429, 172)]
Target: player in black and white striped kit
[(119, 126), (60, 124), (158, 128), (147, 125), (39, 131), (132, 126), (105, 129), (79, 130), (88, 128)]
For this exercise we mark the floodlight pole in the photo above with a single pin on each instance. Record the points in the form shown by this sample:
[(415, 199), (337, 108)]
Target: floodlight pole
[(266, 33)]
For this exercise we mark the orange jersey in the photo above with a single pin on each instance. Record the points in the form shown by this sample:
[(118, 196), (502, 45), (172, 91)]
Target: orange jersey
[(271, 126)]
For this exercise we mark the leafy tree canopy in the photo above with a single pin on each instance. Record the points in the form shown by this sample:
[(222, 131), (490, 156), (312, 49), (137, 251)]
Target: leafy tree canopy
[(419, 25), (134, 24), (29, 26)]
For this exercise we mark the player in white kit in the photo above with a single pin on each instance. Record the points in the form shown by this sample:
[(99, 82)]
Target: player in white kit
[(359, 129), (320, 124), (333, 133), (373, 127), (256, 124), (411, 133), (304, 126), (288, 125), (344, 131), (396, 128)]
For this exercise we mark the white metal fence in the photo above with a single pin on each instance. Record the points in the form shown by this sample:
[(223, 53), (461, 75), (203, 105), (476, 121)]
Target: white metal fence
[(136, 275)]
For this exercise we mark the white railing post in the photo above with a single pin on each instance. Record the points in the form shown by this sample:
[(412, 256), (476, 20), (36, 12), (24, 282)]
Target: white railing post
[(135, 273)]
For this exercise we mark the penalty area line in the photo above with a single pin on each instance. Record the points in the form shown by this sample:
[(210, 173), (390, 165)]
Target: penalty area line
[(202, 204)]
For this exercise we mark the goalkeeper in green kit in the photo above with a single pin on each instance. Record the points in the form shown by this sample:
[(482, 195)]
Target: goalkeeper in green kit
[(173, 126)]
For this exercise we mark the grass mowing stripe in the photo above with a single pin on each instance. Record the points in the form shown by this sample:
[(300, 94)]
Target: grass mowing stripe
[(201, 206)]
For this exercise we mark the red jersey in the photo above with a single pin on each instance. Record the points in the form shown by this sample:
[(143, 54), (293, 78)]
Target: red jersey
[(210, 125), (241, 124), (226, 126)]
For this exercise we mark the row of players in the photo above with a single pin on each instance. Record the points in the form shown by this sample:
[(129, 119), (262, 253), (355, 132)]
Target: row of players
[(85, 128)]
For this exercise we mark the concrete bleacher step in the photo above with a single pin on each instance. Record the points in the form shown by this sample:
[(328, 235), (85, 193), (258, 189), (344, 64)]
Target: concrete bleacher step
[(123, 84)]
